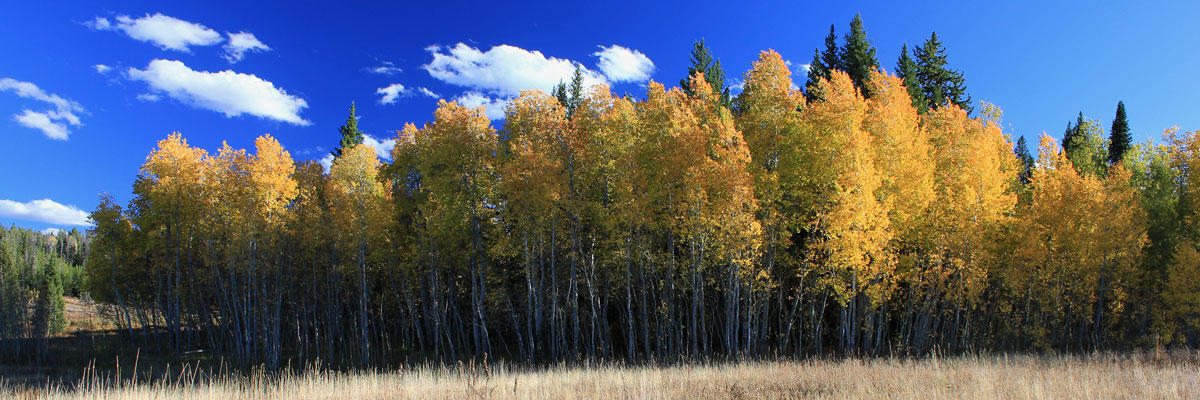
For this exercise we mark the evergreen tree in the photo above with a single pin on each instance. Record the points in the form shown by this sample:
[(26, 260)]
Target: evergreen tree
[(823, 62), (1085, 146), (858, 57), (816, 72), (48, 314), (1073, 131), (703, 61), (906, 69), (576, 91), (1119, 137), (560, 93), (351, 136), (940, 84), (1026, 159)]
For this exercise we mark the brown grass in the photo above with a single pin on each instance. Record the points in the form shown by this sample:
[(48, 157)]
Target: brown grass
[(1105, 376)]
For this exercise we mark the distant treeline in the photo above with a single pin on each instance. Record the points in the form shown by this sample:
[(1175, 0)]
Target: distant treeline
[(867, 213), (36, 270)]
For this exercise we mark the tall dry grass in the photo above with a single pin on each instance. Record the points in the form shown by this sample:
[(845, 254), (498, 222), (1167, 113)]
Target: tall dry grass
[(1104, 376)]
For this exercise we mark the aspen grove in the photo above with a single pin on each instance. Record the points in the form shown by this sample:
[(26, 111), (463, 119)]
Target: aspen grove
[(787, 223)]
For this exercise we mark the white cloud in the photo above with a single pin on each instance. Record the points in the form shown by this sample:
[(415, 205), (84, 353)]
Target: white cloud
[(326, 162), (621, 64), (102, 69), (390, 93), (386, 68), (383, 150), (396, 90), (44, 210), (494, 77), (63, 108), (241, 43), (801, 72), (51, 231), (503, 70), (167, 32), (99, 23), (492, 107), (227, 92), (427, 92), (49, 121), (42, 122), (736, 86), (148, 97)]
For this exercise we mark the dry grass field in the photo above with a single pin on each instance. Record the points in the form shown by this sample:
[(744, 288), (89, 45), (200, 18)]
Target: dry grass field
[(1104, 376)]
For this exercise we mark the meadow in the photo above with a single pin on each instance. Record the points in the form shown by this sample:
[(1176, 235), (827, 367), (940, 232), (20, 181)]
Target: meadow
[(1151, 375)]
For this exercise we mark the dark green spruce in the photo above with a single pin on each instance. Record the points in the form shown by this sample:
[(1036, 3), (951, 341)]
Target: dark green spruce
[(1119, 139), (940, 84), (906, 69), (704, 62), (350, 135), (858, 56)]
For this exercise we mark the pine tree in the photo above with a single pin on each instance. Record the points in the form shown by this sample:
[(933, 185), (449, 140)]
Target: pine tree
[(1119, 137), (940, 84), (351, 136), (1073, 130), (1023, 155), (703, 62), (560, 93), (575, 91), (823, 62), (858, 57), (48, 314), (906, 69)]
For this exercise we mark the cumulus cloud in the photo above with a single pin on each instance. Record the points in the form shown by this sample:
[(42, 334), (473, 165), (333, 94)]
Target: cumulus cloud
[(386, 68), (394, 91), (166, 32), (50, 122), (44, 210), (503, 70), (326, 162), (241, 43), (42, 122), (383, 150), (390, 93), (492, 107), (102, 69), (51, 231), (227, 92), (621, 64)]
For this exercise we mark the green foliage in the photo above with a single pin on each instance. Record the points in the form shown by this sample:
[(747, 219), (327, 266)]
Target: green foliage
[(1153, 177), (906, 69), (822, 64), (1086, 147), (1026, 159), (703, 61), (48, 312), (14, 298), (858, 56), (1119, 137), (940, 84), (350, 135)]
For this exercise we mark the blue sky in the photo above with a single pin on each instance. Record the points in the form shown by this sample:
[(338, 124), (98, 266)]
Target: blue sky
[(86, 89)]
